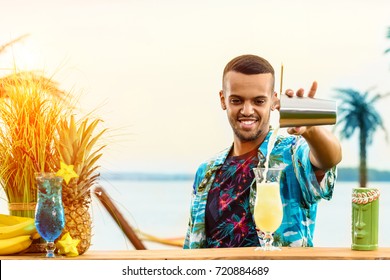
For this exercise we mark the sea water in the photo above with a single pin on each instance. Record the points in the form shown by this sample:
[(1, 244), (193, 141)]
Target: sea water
[(161, 208)]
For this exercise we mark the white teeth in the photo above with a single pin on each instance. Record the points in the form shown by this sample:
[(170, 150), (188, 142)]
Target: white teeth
[(247, 122)]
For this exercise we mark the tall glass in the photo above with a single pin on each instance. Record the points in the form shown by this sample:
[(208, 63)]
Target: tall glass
[(49, 213), (268, 212), (365, 218)]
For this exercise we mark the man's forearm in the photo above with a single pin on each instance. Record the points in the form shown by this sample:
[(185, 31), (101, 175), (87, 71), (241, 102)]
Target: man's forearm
[(325, 148)]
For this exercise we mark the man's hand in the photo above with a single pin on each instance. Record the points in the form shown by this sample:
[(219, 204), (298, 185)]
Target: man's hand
[(299, 130), (325, 149)]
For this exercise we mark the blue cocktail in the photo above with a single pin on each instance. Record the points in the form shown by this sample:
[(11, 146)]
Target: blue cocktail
[(49, 214)]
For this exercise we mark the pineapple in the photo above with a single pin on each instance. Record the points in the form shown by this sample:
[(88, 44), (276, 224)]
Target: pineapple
[(75, 145)]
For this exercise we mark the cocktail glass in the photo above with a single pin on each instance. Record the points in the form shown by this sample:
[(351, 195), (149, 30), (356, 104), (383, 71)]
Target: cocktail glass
[(268, 213), (49, 213), (365, 218)]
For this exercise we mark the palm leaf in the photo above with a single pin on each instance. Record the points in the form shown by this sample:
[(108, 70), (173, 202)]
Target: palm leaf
[(6, 45)]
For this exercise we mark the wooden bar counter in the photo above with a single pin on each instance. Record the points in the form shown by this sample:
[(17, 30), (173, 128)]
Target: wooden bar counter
[(287, 253)]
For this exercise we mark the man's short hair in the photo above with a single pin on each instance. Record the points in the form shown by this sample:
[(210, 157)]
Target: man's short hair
[(249, 64)]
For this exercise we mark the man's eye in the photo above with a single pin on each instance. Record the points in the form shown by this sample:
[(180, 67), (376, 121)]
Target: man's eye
[(235, 101), (260, 101)]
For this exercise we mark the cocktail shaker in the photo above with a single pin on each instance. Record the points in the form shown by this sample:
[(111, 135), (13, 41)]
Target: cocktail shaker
[(306, 111)]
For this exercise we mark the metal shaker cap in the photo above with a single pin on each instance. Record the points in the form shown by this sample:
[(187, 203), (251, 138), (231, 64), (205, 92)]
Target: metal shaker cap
[(306, 111)]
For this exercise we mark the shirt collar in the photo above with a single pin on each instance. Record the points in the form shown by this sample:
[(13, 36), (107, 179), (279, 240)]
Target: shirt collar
[(221, 157)]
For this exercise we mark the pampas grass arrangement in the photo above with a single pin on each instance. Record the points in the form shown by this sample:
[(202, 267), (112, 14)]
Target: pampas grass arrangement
[(31, 106)]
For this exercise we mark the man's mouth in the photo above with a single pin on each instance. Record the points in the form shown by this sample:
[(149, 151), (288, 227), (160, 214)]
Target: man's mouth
[(247, 124)]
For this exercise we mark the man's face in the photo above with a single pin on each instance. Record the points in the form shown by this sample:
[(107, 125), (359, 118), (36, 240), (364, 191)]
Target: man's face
[(248, 100)]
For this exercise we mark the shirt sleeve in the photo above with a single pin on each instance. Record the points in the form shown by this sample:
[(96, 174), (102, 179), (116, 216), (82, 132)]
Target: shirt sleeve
[(199, 176), (312, 190)]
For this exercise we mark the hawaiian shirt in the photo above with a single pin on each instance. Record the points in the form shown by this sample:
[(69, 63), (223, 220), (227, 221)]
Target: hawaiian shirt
[(300, 192)]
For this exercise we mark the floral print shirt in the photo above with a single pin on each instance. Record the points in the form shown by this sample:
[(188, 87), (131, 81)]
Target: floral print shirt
[(228, 219), (300, 192)]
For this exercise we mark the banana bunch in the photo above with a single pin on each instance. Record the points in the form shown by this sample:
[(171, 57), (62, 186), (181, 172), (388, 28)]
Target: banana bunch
[(16, 233)]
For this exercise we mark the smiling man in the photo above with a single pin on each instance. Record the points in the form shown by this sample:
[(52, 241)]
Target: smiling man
[(224, 190)]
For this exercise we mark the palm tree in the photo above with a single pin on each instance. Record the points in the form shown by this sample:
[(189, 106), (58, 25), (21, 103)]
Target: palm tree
[(357, 112)]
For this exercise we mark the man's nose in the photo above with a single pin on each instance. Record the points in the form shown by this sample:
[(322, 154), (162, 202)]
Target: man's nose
[(247, 109)]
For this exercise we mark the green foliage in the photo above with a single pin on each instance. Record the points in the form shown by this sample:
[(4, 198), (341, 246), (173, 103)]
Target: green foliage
[(357, 112)]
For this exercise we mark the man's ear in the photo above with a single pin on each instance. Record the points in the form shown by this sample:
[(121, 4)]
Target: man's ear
[(275, 102), (222, 99)]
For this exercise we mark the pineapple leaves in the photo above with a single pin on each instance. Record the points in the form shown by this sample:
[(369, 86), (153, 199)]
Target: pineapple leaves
[(78, 146)]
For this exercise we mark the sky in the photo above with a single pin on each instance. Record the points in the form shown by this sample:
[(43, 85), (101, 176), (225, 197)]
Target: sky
[(152, 69)]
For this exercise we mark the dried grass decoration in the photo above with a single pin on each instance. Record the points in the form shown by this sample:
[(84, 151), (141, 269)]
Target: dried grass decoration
[(38, 132)]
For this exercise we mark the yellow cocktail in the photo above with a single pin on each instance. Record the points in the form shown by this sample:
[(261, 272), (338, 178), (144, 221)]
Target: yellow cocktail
[(268, 210), (268, 207)]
